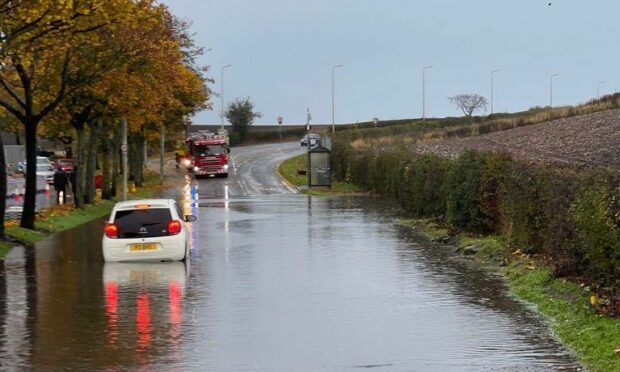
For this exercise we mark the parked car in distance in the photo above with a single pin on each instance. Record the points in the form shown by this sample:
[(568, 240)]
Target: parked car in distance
[(45, 169), (66, 165), (47, 172), (310, 139), (146, 230)]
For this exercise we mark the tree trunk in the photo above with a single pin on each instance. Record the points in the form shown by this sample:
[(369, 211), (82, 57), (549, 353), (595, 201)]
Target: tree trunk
[(91, 161), (28, 214), (2, 188), (162, 151), (105, 142), (80, 166), (136, 159), (116, 159)]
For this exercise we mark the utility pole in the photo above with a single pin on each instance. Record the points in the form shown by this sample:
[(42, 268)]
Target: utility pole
[(124, 155), (280, 120), (493, 90), (334, 99), (598, 88), (223, 68), (308, 118), (551, 89), (424, 92)]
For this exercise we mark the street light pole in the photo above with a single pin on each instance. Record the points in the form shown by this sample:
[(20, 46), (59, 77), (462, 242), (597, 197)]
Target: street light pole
[(598, 88), (551, 89), (493, 89), (334, 98), (223, 68), (424, 92)]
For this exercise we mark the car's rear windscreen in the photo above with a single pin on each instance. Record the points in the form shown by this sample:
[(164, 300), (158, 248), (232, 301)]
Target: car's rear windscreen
[(142, 223)]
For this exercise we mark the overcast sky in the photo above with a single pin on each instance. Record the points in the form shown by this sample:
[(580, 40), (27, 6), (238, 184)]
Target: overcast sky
[(282, 51)]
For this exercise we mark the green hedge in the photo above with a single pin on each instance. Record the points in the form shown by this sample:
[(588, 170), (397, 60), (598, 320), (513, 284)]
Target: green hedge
[(570, 216)]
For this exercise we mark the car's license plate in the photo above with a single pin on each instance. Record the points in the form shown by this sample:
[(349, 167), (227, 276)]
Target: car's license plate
[(143, 247)]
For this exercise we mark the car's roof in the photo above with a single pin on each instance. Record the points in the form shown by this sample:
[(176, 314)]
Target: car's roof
[(155, 203)]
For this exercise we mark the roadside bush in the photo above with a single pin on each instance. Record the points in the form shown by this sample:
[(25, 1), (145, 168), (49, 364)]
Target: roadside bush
[(596, 213), (492, 189), (425, 180), (524, 207), (464, 207)]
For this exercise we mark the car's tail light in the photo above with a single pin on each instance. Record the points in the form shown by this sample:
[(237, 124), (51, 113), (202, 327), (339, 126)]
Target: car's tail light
[(111, 231), (174, 227)]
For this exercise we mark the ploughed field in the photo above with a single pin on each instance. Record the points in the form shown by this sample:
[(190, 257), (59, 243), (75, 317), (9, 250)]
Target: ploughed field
[(587, 140)]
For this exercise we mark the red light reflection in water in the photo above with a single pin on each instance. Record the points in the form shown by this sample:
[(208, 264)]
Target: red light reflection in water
[(111, 305), (143, 322), (174, 295)]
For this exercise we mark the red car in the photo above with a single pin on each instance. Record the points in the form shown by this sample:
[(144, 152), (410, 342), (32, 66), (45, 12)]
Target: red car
[(66, 165)]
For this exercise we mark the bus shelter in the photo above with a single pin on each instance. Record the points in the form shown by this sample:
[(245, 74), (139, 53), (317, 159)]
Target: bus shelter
[(319, 166)]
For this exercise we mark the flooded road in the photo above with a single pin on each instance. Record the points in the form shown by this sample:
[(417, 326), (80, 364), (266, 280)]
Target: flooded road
[(277, 282)]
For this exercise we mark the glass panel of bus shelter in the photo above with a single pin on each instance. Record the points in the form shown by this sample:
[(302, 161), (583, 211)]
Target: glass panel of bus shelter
[(320, 174)]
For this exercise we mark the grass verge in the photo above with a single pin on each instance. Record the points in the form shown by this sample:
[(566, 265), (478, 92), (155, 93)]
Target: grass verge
[(569, 307), (5, 248), (60, 218), (290, 171)]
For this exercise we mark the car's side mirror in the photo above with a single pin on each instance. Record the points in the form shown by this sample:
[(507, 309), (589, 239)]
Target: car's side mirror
[(190, 218)]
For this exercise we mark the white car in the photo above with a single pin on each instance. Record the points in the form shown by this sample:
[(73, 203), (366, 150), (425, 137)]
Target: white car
[(45, 171), (146, 230)]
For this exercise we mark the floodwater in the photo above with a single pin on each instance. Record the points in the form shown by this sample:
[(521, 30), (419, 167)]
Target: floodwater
[(276, 282)]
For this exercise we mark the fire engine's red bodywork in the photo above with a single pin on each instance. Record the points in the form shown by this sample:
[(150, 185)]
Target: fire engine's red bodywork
[(205, 162)]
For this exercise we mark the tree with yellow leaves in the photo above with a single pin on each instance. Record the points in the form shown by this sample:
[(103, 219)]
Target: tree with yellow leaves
[(42, 42)]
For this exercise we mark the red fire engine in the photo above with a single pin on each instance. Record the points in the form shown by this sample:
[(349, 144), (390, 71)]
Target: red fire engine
[(208, 154)]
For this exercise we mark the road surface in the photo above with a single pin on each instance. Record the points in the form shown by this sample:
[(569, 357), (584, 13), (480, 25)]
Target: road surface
[(277, 282)]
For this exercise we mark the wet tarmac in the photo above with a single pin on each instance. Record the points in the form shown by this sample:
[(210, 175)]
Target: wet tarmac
[(276, 282)]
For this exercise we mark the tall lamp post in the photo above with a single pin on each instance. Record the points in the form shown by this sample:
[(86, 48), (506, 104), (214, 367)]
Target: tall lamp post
[(334, 98), (493, 90), (223, 68), (598, 88), (551, 89), (424, 92)]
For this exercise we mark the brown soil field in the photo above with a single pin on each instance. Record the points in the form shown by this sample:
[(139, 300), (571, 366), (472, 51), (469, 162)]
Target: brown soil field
[(589, 140)]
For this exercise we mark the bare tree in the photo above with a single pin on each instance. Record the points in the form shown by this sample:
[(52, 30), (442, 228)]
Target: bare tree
[(469, 103)]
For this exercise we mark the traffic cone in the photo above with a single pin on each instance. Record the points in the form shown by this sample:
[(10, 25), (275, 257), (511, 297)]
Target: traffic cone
[(47, 189)]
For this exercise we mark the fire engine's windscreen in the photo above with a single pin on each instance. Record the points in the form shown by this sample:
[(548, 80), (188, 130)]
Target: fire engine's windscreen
[(203, 150)]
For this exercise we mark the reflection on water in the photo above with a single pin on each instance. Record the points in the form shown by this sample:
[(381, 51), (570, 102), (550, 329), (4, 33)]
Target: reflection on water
[(149, 295), (275, 283)]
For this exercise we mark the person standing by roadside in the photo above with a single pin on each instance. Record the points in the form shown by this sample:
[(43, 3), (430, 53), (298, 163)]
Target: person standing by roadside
[(60, 185)]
